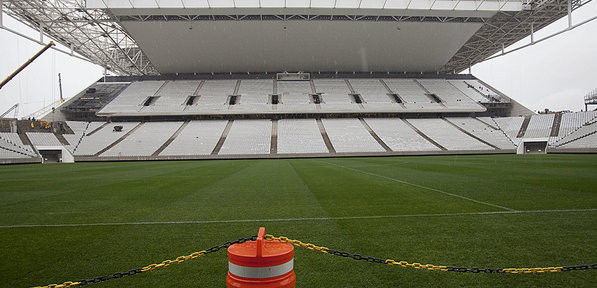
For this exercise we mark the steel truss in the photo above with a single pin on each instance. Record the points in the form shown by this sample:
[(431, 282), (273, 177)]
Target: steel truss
[(98, 36), (90, 33), (298, 17), (507, 28)]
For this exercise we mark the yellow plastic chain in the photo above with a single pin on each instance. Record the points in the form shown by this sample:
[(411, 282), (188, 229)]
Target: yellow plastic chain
[(406, 264), (164, 263)]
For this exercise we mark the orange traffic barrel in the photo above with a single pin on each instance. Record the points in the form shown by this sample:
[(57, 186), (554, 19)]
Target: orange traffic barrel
[(261, 264)]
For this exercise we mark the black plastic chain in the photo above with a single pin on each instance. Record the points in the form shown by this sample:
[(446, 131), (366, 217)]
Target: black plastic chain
[(355, 256), (139, 270), (501, 270), (359, 257)]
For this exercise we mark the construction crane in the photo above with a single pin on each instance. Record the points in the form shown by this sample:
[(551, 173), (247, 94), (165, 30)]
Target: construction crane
[(14, 107), (27, 63)]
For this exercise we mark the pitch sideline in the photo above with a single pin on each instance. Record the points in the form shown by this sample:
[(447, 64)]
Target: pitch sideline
[(298, 219)]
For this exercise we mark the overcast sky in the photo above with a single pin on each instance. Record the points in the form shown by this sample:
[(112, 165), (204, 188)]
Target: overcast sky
[(554, 74)]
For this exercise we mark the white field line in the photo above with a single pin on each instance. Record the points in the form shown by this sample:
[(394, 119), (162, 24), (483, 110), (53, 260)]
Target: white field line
[(421, 186), (299, 219)]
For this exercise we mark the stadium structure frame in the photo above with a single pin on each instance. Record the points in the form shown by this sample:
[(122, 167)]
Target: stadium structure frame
[(97, 35)]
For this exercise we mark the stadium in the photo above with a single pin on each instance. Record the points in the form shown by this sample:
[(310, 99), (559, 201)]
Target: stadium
[(352, 125)]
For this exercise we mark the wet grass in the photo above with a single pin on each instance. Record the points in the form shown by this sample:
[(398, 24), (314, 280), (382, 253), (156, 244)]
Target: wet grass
[(337, 196)]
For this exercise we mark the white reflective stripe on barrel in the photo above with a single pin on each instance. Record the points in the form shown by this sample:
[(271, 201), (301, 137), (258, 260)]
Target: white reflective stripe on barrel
[(260, 272)]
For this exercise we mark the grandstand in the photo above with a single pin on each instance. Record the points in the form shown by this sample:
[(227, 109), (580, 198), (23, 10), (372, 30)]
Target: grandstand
[(324, 115), (185, 102)]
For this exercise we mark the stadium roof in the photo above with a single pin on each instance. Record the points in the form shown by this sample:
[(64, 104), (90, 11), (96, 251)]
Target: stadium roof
[(490, 5), (139, 37)]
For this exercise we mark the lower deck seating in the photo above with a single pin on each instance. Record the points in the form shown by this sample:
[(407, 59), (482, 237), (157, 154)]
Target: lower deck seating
[(145, 140), (587, 140), (349, 135), (511, 126), (79, 128), (300, 136), (295, 136), (197, 138), (572, 122), (483, 131), (540, 126), (577, 139), (94, 143), (447, 135), (9, 154), (248, 137), (399, 136), (43, 139), (12, 141)]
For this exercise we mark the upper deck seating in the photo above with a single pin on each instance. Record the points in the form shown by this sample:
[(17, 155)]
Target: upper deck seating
[(254, 95), (131, 98), (371, 90), (212, 97), (469, 90), (449, 95), (335, 95), (173, 96), (295, 96)]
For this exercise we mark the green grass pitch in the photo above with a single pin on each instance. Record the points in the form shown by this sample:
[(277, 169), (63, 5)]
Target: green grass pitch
[(335, 199)]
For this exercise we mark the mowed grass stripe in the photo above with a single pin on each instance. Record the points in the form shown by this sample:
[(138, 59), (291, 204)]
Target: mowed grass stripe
[(106, 197), (421, 186), (534, 184)]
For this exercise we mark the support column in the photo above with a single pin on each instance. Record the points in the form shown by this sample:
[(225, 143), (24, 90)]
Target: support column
[(1, 12)]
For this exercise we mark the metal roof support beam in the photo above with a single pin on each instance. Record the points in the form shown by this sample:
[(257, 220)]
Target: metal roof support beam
[(41, 32), (90, 33), (41, 43), (544, 38), (569, 13)]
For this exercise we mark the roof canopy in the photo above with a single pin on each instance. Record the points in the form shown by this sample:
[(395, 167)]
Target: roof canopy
[(111, 33)]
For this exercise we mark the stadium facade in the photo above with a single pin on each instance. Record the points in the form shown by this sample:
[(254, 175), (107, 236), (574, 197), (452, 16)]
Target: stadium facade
[(269, 79)]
